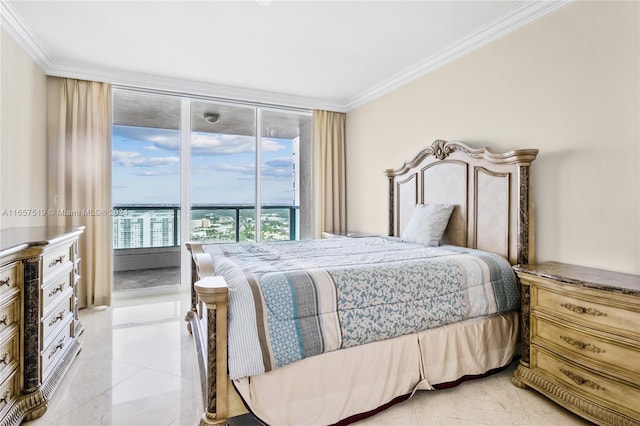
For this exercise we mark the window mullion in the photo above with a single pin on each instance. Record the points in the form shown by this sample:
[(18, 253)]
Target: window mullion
[(258, 202), (185, 188)]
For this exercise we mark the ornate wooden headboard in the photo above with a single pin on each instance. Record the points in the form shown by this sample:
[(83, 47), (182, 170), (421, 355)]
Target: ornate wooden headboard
[(490, 191)]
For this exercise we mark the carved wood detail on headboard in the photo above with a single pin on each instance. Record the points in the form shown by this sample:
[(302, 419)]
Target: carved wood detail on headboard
[(491, 192)]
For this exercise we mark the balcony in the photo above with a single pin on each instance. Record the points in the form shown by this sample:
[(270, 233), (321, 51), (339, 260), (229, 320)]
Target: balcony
[(146, 238), (146, 278)]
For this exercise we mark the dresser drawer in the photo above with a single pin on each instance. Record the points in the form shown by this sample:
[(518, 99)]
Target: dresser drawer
[(9, 313), (8, 277), (56, 350), (60, 314), (600, 351), (586, 383), (57, 260), (9, 354), (9, 390), (56, 290), (589, 310)]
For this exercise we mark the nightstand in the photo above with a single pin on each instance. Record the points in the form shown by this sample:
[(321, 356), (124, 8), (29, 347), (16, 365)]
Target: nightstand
[(581, 340)]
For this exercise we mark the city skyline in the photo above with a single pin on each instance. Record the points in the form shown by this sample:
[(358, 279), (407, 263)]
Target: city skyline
[(157, 227)]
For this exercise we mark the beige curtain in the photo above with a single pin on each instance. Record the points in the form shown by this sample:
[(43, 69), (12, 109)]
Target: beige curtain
[(79, 149), (329, 172)]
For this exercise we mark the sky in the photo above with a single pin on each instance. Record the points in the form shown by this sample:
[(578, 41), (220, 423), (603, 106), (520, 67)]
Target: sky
[(146, 168)]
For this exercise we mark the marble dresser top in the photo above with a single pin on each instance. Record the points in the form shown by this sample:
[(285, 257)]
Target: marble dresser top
[(16, 239)]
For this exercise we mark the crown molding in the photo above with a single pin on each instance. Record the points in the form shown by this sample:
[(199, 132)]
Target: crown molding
[(530, 11), (190, 87), (519, 17), (11, 21)]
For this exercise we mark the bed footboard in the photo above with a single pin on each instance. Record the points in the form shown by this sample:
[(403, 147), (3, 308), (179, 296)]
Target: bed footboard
[(201, 267), (213, 293), (207, 321)]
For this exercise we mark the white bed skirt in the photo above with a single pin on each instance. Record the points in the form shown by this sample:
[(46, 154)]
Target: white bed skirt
[(325, 389)]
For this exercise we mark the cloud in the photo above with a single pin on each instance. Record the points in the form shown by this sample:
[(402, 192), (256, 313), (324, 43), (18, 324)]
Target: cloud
[(165, 142), (219, 144), (271, 145), (157, 173), (165, 139), (210, 144), (133, 159), (201, 143), (276, 169), (243, 169), (282, 162)]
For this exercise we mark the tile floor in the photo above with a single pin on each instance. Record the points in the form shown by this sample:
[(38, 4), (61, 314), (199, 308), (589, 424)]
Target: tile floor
[(138, 367), (146, 278)]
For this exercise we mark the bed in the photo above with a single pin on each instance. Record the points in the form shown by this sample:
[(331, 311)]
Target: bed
[(321, 342)]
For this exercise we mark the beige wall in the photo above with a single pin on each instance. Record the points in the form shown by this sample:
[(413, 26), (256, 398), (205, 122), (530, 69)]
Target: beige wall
[(568, 85), (23, 148)]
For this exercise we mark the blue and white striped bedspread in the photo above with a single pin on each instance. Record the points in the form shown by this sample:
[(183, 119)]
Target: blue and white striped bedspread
[(294, 299)]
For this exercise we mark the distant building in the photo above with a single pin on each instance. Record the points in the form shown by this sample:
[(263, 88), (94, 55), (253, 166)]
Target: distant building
[(144, 228), (158, 226)]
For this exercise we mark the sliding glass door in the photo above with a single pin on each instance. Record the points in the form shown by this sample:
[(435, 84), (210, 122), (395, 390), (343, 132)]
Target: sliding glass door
[(145, 189), (285, 143), (223, 172), (187, 169)]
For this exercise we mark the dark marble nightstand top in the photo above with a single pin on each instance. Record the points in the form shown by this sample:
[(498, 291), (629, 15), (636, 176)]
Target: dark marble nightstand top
[(582, 276)]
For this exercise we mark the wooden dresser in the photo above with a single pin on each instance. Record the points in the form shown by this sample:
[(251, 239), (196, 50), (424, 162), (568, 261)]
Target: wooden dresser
[(39, 324), (581, 340)]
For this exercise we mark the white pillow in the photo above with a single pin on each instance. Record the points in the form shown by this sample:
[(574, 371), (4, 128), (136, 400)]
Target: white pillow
[(427, 224)]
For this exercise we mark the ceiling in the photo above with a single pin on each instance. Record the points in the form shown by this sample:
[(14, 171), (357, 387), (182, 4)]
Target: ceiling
[(311, 54), (133, 108)]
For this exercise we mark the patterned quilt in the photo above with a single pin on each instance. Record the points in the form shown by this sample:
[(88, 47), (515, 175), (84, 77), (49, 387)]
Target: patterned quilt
[(295, 299)]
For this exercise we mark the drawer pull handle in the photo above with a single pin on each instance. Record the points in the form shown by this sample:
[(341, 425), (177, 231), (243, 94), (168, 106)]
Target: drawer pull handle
[(57, 347), (57, 318), (582, 310), (5, 319), (57, 260), (57, 289), (579, 380), (5, 397), (581, 345), (6, 281), (5, 358)]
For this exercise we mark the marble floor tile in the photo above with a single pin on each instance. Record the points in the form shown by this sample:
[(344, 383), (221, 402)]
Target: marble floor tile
[(138, 367), (489, 401)]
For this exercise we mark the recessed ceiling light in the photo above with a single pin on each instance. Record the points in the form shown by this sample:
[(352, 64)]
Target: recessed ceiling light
[(211, 117)]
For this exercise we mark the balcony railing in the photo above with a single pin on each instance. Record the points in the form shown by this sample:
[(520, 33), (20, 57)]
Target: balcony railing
[(147, 226)]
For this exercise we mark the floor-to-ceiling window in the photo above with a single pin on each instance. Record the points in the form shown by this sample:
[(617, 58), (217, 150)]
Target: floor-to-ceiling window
[(185, 169), (223, 172), (146, 189)]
